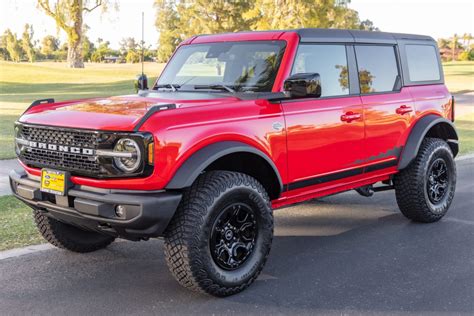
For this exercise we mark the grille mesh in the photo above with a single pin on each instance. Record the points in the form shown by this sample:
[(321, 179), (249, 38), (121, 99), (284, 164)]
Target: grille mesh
[(37, 157), (60, 137)]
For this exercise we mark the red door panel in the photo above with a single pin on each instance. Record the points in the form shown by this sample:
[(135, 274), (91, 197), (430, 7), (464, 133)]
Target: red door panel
[(323, 136), (387, 118)]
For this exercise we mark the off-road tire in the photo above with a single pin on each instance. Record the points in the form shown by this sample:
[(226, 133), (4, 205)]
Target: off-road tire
[(411, 183), (187, 244), (69, 237)]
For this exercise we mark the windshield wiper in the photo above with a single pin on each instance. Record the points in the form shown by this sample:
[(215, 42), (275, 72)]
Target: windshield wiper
[(215, 87), (171, 86)]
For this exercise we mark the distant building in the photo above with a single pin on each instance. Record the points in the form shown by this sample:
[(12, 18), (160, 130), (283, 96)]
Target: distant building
[(112, 59)]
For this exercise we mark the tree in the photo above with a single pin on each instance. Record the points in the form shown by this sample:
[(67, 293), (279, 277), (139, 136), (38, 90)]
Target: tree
[(288, 14), (133, 57), (454, 45), (26, 43), (68, 15), (209, 17), (167, 21), (177, 20), (126, 45), (49, 45), (103, 50), (87, 48), (368, 25), (3, 47), (13, 46)]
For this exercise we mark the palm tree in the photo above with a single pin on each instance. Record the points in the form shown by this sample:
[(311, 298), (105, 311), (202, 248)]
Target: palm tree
[(454, 44)]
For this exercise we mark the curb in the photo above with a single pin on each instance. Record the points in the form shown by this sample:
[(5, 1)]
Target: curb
[(13, 253), (464, 157)]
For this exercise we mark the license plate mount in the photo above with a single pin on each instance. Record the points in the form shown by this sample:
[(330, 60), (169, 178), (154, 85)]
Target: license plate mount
[(54, 181)]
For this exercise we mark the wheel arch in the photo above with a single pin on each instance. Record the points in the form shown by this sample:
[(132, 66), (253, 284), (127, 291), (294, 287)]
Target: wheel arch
[(428, 126), (230, 156)]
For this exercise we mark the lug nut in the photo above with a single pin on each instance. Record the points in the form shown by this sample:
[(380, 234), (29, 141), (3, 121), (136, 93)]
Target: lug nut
[(120, 211)]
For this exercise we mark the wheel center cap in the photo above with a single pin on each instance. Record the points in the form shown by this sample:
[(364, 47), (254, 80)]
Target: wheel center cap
[(228, 234)]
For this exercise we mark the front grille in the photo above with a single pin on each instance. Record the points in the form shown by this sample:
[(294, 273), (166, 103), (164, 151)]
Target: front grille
[(42, 157), (65, 137)]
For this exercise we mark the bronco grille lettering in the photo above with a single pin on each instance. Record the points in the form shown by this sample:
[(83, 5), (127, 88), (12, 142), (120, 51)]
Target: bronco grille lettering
[(54, 147)]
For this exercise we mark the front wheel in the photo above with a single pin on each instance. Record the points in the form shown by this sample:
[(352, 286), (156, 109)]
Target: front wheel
[(70, 237), (425, 189), (220, 237)]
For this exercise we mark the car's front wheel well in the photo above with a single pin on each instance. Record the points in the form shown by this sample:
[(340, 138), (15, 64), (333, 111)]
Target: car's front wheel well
[(252, 165)]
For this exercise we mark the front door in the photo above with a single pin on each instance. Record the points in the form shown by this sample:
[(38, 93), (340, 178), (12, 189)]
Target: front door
[(325, 135)]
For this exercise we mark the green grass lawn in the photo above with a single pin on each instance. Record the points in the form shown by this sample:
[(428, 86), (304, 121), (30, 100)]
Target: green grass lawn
[(459, 76), (17, 228), (465, 127), (20, 84)]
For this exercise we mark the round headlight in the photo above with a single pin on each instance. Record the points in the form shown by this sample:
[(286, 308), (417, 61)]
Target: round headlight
[(131, 162)]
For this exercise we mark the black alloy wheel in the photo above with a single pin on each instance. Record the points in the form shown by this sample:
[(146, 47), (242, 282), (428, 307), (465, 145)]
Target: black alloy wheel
[(233, 236), (438, 177)]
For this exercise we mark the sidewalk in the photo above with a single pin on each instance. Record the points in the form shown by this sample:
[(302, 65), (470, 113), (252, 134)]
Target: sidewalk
[(5, 167)]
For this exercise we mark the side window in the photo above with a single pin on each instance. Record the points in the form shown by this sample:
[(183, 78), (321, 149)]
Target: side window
[(330, 62), (377, 66), (422, 63)]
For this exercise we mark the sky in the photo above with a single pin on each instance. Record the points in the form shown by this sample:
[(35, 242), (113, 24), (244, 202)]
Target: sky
[(430, 17)]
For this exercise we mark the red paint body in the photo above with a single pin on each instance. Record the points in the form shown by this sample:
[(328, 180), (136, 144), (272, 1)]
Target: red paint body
[(315, 141)]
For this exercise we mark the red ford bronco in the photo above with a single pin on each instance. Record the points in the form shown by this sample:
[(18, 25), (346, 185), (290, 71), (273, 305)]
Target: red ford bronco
[(237, 125)]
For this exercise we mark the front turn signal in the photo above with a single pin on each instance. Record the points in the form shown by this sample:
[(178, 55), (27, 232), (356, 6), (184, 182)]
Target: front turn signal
[(150, 153)]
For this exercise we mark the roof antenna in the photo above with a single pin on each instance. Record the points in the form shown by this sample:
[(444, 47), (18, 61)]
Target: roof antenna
[(143, 40), (141, 83)]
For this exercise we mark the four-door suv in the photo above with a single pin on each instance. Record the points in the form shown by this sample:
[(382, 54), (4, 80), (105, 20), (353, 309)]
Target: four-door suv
[(237, 125)]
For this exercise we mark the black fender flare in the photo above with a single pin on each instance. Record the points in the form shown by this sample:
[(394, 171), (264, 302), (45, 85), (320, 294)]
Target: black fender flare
[(204, 157), (418, 133)]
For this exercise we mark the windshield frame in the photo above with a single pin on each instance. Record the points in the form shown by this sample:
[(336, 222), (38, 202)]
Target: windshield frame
[(281, 54)]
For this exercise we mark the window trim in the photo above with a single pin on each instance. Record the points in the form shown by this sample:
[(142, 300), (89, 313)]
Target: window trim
[(349, 67), (397, 62)]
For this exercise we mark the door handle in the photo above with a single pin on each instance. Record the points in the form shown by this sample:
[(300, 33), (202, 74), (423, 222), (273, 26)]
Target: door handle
[(404, 109), (350, 116)]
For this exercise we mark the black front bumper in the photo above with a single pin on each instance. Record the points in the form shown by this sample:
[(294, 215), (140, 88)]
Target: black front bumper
[(146, 214)]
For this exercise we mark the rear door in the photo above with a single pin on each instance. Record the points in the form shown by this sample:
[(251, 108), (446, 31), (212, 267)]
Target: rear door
[(325, 135), (388, 108)]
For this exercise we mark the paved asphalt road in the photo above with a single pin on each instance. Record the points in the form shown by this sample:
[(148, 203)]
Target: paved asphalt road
[(340, 254)]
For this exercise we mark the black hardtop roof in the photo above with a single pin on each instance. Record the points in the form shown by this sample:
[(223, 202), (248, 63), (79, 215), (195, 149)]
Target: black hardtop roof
[(357, 36), (343, 35)]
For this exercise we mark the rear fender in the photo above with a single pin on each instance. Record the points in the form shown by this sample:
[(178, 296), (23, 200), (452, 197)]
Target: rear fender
[(428, 126)]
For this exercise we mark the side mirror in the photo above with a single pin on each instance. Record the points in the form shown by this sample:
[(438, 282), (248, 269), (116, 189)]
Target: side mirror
[(303, 85), (141, 82)]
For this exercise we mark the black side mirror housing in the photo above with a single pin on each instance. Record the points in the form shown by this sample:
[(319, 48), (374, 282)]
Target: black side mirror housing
[(303, 85), (141, 82)]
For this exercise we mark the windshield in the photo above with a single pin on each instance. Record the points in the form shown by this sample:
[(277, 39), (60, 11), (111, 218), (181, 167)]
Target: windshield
[(228, 66)]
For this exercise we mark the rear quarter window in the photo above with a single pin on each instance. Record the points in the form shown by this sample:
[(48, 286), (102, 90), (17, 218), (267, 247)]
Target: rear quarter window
[(422, 62)]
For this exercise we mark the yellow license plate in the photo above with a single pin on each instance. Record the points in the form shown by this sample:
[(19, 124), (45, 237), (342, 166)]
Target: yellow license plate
[(53, 181)]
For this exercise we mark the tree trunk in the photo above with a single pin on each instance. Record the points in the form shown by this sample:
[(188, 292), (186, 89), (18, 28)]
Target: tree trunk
[(74, 53)]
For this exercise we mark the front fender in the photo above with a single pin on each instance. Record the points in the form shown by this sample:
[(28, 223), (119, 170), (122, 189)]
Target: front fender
[(200, 160)]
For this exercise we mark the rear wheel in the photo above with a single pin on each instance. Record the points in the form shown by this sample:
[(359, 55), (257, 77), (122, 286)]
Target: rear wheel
[(70, 237), (425, 189), (220, 237)]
